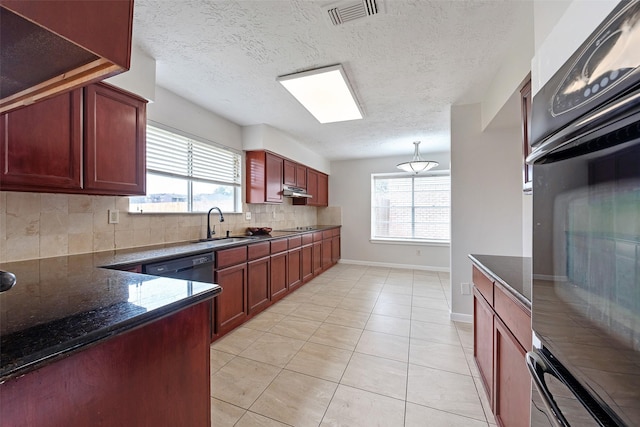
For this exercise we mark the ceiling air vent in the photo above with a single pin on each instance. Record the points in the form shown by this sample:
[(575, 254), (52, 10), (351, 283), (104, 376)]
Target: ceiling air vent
[(352, 10)]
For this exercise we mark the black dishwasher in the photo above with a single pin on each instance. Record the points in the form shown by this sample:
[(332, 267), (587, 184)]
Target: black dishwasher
[(198, 268)]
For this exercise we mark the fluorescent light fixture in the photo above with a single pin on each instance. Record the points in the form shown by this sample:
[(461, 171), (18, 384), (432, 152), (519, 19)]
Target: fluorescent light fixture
[(325, 93)]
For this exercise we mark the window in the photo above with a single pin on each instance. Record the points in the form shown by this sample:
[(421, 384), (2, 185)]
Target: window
[(411, 208), (185, 174)]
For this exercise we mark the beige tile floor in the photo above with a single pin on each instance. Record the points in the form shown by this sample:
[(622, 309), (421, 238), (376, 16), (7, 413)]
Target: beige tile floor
[(357, 346)]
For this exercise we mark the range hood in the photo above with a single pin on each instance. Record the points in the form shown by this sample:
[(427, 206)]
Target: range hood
[(295, 192)]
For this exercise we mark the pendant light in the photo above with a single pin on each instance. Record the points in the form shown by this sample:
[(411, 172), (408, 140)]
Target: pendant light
[(417, 165)]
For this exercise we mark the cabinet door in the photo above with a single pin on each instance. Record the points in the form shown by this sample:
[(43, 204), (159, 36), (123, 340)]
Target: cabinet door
[(257, 285), (317, 258), (306, 263), (483, 319), (41, 145), (279, 286), (326, 253), (335, 249), (512, 380), (294, 268), (231, 304), (301, 176), (323, 190), (312, 187), (290, 173), (274, 178), (114, 141)]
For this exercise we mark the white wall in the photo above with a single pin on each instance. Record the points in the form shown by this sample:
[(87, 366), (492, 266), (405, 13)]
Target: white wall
[(486, 197), (176, 112), (580, 18), (265, 137), (350, 189), (512, 72), (141, 77)]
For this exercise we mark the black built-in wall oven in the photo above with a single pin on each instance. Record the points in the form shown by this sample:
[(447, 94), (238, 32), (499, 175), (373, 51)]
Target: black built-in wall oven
[(585, 363)]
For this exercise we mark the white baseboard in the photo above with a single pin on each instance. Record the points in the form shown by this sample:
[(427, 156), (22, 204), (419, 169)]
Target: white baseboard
[(461, 317), (392, 265)]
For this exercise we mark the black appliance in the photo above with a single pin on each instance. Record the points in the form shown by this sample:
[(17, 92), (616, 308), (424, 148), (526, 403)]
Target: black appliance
[(585, 363), (197, 268)]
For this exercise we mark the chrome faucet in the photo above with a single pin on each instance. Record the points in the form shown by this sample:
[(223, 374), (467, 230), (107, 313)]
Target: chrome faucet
[(209, 232)]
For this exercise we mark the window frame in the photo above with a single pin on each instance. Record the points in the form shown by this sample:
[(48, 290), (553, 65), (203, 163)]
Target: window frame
[(190, 180), (399, 240)]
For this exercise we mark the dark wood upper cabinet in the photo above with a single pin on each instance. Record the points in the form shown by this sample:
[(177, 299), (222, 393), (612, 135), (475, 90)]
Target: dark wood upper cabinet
[(317, 187), (525, 98), (265, 175), (295, 174), (42, 145), (114, 141), (51, 47), (44, 148)]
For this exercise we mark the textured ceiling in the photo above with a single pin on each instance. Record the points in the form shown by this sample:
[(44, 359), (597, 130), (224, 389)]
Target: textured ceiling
[(407, 65)]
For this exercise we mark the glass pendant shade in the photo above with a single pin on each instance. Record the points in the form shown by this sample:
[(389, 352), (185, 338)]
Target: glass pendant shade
[(417, 165)]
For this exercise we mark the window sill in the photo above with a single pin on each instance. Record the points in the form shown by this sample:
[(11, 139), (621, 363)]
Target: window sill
[(412, 242)]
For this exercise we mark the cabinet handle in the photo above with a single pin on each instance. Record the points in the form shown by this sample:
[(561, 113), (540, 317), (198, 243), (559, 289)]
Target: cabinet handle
[(537, 369)]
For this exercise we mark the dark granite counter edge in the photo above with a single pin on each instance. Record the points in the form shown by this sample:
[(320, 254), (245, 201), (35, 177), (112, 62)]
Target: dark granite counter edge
[(22, 367), (499, 279), (197, 247)]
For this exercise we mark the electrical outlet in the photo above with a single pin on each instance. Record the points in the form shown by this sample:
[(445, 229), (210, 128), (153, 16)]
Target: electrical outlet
[(114, 216), (273, 214), (465, 288), (247, 216)]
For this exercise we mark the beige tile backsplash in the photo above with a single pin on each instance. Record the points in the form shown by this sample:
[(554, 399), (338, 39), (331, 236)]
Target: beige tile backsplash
[(40, 225)]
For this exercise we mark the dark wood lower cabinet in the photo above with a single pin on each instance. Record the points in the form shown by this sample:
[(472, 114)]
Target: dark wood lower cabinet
[(326, 254), (231, 304), (258, 274), (156, 375), (483, 340), (257, 285), (317, 257), (306, 263), (279, 285), (294, 270), (513, 382), (502, 333)]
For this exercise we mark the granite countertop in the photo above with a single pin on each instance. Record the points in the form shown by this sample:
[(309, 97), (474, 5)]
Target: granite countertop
[(63, 304), (514, 273)]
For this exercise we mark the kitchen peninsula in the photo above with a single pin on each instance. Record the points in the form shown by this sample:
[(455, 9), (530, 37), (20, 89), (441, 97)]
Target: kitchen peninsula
[(83, 345)]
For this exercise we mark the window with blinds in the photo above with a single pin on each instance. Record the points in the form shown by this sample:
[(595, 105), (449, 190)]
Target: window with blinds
[(411, 208), (185, 174)]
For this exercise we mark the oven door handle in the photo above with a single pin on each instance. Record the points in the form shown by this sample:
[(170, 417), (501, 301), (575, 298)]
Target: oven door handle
[(537, 369)]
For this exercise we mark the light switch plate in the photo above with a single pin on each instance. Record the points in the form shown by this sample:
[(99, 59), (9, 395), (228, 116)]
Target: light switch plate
[(247, 216), (114, 216)]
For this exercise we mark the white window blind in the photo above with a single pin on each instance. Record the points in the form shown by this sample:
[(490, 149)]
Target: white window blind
[(411, 207), (176, 155)]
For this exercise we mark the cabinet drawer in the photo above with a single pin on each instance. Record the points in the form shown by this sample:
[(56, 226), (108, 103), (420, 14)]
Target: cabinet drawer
[(278, 245), (327, 234), (484, 284), (295, 242), (335, 232), (258, 250), (307, 238), (317, 236), (232, 256), (514, 315)]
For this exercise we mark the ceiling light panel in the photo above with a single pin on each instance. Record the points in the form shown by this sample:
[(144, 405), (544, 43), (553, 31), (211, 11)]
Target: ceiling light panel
[(325, 93)]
